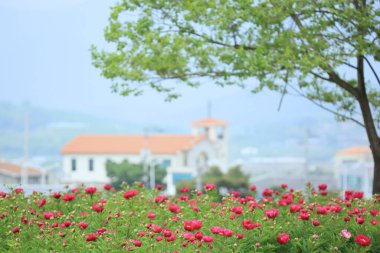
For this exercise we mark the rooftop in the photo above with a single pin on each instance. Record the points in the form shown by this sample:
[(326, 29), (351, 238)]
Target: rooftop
[(209, 122), (130, 144), (358, 150), (15, 169)]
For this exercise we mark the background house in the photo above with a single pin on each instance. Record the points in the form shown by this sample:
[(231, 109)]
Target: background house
[(184, 156), (11, 173), (354, 169)]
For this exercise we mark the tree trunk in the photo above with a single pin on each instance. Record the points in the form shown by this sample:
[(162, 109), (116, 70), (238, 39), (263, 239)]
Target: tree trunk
[(376, 173), (373, 138)]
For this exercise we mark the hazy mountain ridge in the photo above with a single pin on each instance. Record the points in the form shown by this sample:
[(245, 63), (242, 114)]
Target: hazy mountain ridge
[(50, 129)]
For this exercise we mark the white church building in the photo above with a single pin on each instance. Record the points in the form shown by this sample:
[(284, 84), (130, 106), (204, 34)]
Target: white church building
[(184, 156)]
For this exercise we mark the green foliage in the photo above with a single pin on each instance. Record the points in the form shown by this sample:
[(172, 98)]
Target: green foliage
[(124, 172), (130, 172), (125, 221), (233, 180), (305, 47)]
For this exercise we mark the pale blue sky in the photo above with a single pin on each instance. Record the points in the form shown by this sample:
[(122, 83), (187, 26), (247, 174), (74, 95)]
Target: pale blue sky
[(45, 59)]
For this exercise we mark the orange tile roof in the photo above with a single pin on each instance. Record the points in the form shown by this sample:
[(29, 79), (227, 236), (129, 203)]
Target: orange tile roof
[(354, 151), (11, 168), (129, 144), (210, 122)]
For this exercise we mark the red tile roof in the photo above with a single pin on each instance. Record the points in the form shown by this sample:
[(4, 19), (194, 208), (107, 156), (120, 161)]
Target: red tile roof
[(129, 144), (210, 122), (11, 168), (354, 151)]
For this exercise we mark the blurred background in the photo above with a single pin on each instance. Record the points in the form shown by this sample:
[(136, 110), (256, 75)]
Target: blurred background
[(61, 124)]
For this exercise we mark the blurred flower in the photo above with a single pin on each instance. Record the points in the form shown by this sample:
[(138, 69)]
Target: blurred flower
[(130, 193), (283, 238), (362, 240), (345, 234)]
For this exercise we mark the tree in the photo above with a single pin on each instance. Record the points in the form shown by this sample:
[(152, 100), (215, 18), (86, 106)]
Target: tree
[(124, 172), (213, 175), (325, 51), (130, 173), (236, 179)]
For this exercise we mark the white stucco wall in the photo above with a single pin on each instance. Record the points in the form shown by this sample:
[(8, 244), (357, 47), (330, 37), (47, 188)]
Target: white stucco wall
[(99, 174)]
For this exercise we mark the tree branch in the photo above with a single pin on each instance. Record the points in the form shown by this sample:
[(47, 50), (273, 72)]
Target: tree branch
[(373, 70), (236, 46), (326, 108), (333, 76)]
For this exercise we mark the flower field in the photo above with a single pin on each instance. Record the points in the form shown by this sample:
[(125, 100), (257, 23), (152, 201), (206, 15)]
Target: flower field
[(142, 220)]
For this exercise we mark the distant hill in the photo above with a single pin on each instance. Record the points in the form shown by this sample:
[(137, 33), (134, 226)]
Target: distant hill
[(50, 129)]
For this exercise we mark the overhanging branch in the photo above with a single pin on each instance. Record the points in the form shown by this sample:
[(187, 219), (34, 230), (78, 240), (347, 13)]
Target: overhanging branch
[(326, 108)]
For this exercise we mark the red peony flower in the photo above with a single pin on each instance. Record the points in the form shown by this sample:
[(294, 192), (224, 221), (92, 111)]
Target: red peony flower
[(172, 238), (159, 187), (316, 223), (160, 199), (98, 207), (284, 186), (271, 213), (208, 238), (209, 187), (215, 229), (358, 195), (150, 215), (322, 210), (48, 215), (239, 236), (56, 195), (247, 224), (283, 238), (16, 230), (322, 187), (90, 190), (82, 225), (191, 225), (359, 219), (362, 240), (130, 194), (374, 212), (101, 230), (304, 214), (167, 232), (91, 237), (295, 208), (252, 187), (137, 243), (184, 189), (107, 187), (189, 236), (42, 202), (228, 232), (19, 190), (174, 208), (267, 192), (68, 197), (237, 210)]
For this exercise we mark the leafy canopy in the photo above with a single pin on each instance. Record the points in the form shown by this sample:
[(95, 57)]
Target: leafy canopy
[(307, 48)]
